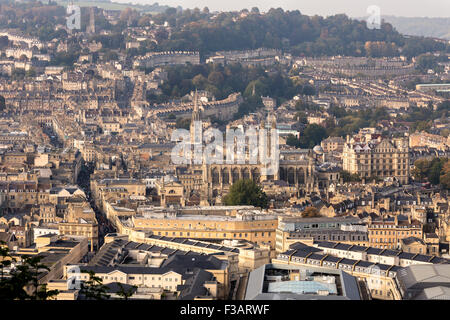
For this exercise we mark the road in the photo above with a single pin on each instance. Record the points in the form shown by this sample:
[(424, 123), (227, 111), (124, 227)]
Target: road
[(104, 225)]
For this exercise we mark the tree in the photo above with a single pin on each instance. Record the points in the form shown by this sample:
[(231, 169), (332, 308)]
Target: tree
[(426, 61), (171, 11), (30, 73), (299, 34), (246, 192), (308, 90), (110, 55), (2, 103), (18, 74), (94, 288), (23, 279), (125, 293), (301, 117), (445, 177), (6, 260), (254, 10), (348, 177), (303, 105), (312, 135), (161, 34), (421, 126), (30, 269), (436, 171), (292, 140), (216, 78), (3, 42), (250, 104), (43, 294), (310, 212), (183, 123), (421, 168), (199, 81)]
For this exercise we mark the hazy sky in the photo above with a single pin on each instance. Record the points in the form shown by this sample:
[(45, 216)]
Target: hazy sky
[(353, 8)]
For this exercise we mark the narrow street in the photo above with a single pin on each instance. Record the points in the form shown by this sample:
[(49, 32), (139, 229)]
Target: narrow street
[(104, 226)]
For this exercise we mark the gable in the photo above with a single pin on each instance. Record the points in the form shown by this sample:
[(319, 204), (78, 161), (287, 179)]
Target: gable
[(383, 145), (170, 273), (116, 273)]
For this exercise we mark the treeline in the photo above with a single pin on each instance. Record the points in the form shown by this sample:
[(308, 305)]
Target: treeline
[(422, 118), (202, 31), (34, 18), (435, 171), (291, 31), (221, 81), (310, 136), (349, 122), (429, 61)]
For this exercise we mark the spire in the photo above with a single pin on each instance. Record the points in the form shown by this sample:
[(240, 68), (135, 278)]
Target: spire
[(196, 118), (195, 101), (91, 26), (196, 111), (272, 119)]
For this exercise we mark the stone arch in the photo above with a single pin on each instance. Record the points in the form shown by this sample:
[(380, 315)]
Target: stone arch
[(235, 174), (225, 176), (300, 175), (322, 184), (256, 174), (283, 174), (215, 176), (245, 173), (291, 175)]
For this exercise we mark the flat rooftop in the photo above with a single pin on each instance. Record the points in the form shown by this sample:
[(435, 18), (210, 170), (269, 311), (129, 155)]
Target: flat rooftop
[(205, 217)]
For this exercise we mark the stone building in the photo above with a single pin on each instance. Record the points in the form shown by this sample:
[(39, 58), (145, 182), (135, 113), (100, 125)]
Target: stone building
[(387, 233), (295, 167), (382, 158)]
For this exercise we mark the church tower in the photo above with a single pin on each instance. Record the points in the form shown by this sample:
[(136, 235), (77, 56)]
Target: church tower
[(90, 28), (196, 114), (197, 145), (196, 117)]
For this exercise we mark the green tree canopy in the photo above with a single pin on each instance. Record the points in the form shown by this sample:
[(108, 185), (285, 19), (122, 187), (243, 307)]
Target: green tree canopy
[(348, 177), (310, 137), (94, 289), (445, 176), (435, 171), (2, 103), (246, 192), (23, 281), (310, 212)]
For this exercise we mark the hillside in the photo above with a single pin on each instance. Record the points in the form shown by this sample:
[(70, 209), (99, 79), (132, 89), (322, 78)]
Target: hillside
[(420, 26)]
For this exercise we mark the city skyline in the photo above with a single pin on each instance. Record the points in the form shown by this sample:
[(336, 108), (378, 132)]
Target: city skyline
[(152, 153), (402, 8)]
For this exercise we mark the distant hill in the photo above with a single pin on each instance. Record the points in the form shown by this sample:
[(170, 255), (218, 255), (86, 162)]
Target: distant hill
[(112, 5), (418, 26)]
